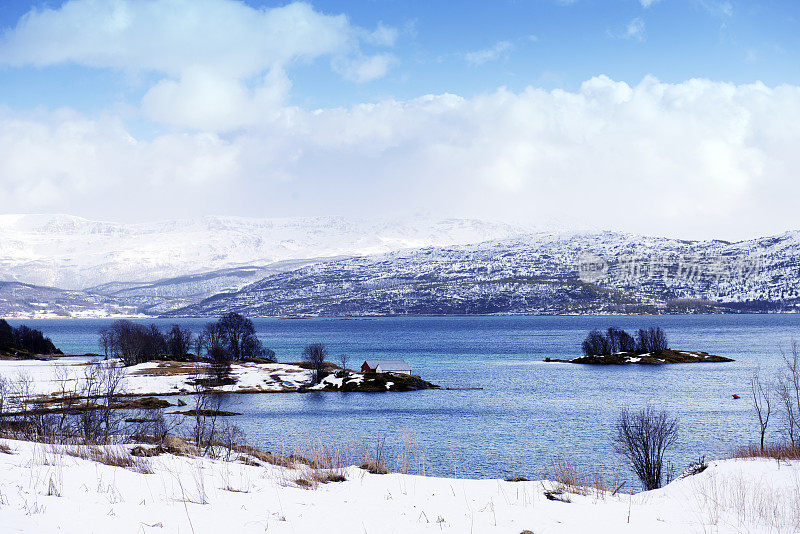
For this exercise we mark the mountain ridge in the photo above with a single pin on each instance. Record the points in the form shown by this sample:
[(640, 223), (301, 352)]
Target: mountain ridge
[(525, 273)]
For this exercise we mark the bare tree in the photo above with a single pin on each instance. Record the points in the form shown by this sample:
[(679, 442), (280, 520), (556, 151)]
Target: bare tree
[(135, 343), (179, 342), (231, 436), (206, 410), (316, 354), (21, 390), (343, 361), (3, 393), (789, 393), (643, 437), (111, 380), (88, 420), (762, 403), (106, 341)]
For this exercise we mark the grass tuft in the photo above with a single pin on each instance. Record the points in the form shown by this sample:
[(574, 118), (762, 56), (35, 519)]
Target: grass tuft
[(113, 456), (779, 451)]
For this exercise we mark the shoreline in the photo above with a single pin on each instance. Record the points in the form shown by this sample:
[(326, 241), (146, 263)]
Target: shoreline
[(52, 381), (381, 316)]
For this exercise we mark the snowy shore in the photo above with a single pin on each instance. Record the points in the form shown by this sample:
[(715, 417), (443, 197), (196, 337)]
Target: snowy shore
[(59, 377), (43, 489)]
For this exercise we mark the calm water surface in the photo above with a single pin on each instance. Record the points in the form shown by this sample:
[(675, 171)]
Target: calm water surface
[(528, 411)]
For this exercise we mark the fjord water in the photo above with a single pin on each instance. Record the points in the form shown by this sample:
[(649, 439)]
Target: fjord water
[(528, 411)]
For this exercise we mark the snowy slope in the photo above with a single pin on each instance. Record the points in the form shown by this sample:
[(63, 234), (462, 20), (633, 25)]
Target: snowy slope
[(538, 273), (47, 489), (335, 267), (73, 253)]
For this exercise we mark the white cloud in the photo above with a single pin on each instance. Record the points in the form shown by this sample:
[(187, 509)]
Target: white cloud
[(493, 53), (694, 159), (648, 3), (635, 29), (719, 8), (364, 69), (208, 50), (169, 36)]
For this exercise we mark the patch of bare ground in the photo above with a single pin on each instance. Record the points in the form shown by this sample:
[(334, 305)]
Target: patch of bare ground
[(170, 368)]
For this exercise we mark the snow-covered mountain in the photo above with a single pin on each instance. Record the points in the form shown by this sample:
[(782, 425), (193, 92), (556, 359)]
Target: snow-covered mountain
[(539, 273), (337, 267), (73, 253)]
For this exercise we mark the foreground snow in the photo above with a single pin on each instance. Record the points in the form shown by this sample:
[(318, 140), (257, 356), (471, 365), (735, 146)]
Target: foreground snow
[(43, 490)]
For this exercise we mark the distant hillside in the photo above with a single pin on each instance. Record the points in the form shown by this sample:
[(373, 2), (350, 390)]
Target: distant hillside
[(25, 300), (73, 253), (541, 273), (538, 274)]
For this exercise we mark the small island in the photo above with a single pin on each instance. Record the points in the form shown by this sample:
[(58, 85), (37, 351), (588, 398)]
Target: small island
[(650, 347)]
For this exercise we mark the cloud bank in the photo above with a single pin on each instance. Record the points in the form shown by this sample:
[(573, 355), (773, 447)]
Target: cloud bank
[(696, 159)]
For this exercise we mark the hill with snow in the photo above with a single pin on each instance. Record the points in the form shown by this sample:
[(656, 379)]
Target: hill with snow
[(73, 253), (535, 274), (66, 266)]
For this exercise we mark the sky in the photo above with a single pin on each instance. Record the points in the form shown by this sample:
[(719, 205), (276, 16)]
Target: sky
[(678, 118)]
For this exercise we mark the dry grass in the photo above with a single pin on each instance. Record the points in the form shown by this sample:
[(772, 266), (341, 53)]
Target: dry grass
[(172, 368), (778, 451), (113, 456), (270, 458), (374, 468), (572, 478), (5, 449), (741, 503)]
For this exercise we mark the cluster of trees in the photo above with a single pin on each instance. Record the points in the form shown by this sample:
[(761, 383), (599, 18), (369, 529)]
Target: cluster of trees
[(615, 340), (25, 338), (231, 338)]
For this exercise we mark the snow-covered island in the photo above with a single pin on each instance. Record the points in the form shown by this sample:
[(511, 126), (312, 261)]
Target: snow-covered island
[(56, 378), (649, 358), (63, 488)]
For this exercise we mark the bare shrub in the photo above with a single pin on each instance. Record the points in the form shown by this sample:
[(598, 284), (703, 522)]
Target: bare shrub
[(642, 438)]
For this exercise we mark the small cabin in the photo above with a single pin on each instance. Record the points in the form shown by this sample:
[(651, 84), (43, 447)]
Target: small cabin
[(386, 366)]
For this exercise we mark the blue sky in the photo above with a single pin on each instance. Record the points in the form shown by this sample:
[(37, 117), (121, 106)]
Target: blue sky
[(535, 107), (545, 43)]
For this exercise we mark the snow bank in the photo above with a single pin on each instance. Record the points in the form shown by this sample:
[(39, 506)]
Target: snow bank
[(44, 491)]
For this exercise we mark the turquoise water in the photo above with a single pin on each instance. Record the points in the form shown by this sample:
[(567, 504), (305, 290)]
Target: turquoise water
[(528, 411)]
